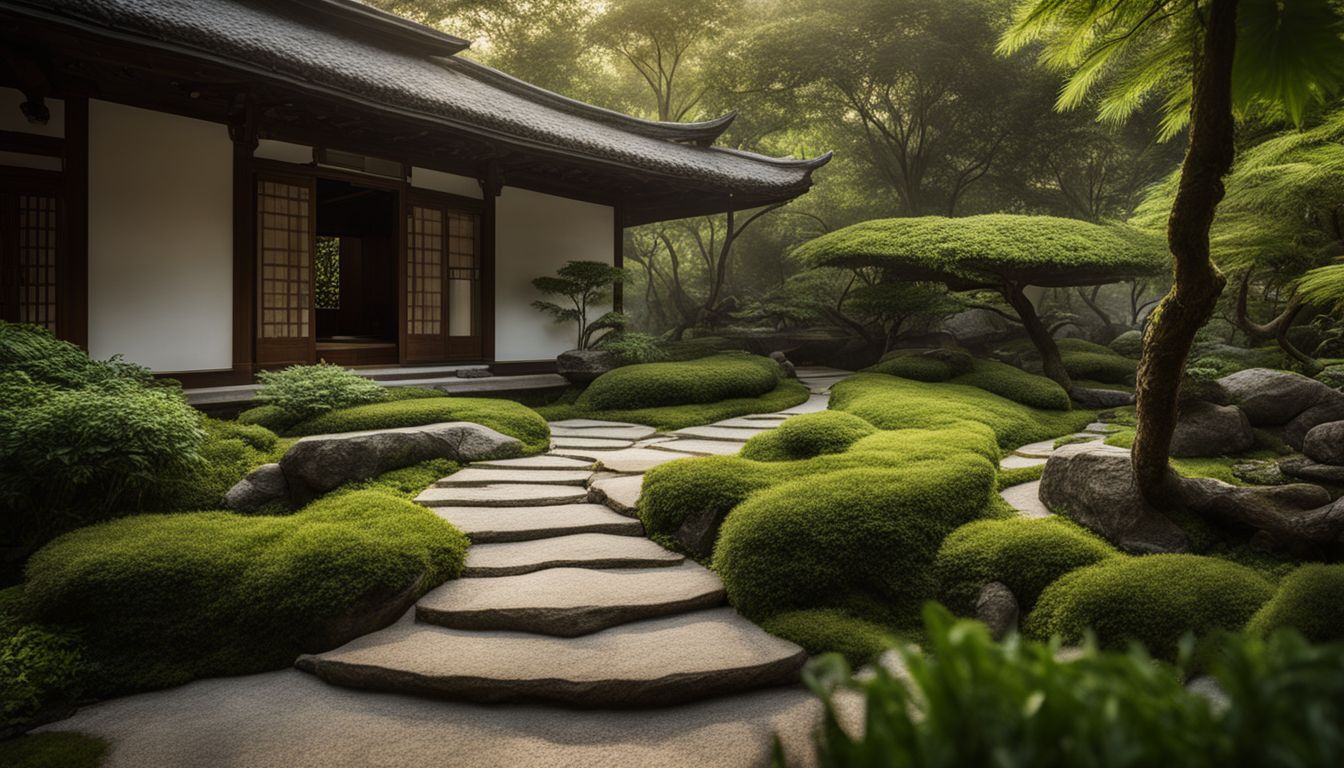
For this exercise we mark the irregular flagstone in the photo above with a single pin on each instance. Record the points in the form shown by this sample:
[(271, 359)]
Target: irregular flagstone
[(1026, 499), (657, 662), (544, 461), (589, 442), (710, 447), (486, 525), (748, 422), (1100, 428), (582, 550), (813, 404), (586, 423), (474, 476), (1018, 462), (1039, 450), (502, 495), (637, 459), (569, 602), (613, 432), (765, 417), (713, 432), (619, 493)]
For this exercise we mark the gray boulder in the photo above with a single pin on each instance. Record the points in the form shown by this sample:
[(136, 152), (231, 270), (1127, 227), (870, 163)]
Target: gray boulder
[(1328, 411), (1272, 398), (785, 366), (1205, 429), (581, 366), (263, 485), (1306, 469), (1089, 397), (1129, 344), (320, 463), (997, 608), (1324, 443), (1094, 486), (1299, 517)]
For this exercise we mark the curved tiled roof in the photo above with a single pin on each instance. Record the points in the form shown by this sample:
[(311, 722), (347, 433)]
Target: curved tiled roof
[(301, 42)]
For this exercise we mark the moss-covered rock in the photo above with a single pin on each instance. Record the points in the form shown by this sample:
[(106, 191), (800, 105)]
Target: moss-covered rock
[(720, 377), (808, 435), (1310, 600), (506, 416), (1017, 385)]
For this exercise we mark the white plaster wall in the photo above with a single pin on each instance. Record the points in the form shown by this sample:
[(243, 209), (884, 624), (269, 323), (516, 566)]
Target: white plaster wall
[(160, 239), (438, 181), (535, 234)]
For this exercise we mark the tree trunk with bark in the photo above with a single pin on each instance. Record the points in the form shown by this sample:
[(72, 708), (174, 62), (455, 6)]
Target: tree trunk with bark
[(1051, 362), (1276, 329), (1196, 286)]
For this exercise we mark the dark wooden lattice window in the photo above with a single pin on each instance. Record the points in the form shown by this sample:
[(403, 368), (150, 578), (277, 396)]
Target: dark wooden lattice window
[(285, 241), (38, 231)]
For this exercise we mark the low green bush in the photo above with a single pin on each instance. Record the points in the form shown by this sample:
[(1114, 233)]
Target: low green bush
[(917, 367), (1105, 366), (412, 393), (707, 380), (53, 749), (1017, 385), (305, 391), (1307, 600), (669, 417), (807, 435), (1023, 554), (832, 631), (42, 669), (503, 416), (268, 416), (230, 451), (162, 599), (1153, 599), (34, 352)]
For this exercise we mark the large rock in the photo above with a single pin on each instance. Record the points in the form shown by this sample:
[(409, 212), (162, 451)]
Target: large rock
[(997, 608), (1272, 398), (1325, 443), (1205, 429), (320, 463), (1091, 397), (1306, 469), (581, 366), (1094, 485), (1328, 411), (264, 485), (1299, 517)]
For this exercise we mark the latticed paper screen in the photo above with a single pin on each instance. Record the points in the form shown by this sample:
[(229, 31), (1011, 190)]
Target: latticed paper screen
[(424, 272), (37, 231), (463, 271), (286, 294)]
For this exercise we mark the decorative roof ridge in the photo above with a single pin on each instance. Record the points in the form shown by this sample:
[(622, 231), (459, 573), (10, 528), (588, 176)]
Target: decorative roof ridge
[(356, 16), (807, 163), (702, 133)]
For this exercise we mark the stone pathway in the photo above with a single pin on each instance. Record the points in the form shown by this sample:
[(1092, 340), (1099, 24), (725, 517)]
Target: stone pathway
[(563, 601), (1026, 497)]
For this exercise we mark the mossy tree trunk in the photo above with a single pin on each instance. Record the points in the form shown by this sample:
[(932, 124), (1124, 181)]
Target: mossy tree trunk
[(1051, 363), (1197, 284)]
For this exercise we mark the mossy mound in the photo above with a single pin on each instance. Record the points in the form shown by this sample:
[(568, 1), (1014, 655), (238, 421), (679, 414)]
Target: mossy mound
[(1309, 600), (917, 367), (669, 417), (1025, 555), (1153, 599), (1108, 367), (832, 631), (503, 416), (1017, 385), (706, 380), (808, 435)]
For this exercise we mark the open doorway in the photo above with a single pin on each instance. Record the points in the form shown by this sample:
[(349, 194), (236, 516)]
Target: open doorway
[(355, 274)]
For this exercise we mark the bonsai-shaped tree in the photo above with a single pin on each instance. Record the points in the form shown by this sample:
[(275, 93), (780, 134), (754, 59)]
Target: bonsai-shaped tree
[(585, 284), (999, 252)]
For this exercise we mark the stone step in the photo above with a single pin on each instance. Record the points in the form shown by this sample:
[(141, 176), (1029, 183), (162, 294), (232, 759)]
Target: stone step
[(750, 422), (491, 525), (610, 431), (1038, 450), (581, 550), (544, 461), (703, 447), (1017, 462), (480, 476), (585, 423), (636, 459), (589, 442), (735, 434), (813, 404), (765, 417), (1026, 499), (502, 495), (619, 493), (569, 602), (658, 662)]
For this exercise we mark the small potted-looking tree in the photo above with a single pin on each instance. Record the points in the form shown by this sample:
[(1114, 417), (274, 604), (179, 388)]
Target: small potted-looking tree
[(581, 287)]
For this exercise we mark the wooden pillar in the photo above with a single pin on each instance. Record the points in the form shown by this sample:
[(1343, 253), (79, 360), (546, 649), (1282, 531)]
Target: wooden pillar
[(73, 271), (243, 132), (618, 257), (492, 184)]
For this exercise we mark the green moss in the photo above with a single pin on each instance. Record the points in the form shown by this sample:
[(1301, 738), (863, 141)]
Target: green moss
[(162, 599), (1308, 600), (670, 417), (711, 484), (808, 435), (1154, 599), (1025, 555), (832, 631), (915, 367), (53, 749), (1218, 467), (271, 417), (504, 416), (1017, 385), (230, 451), (413, 393), (707, 380)]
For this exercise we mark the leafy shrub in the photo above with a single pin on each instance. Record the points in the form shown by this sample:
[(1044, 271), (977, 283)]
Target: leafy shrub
[(41, 668), (670, 417), (830, 630), (707, 380), (33, 351), (1023, 554), (1106, 367), (504, 416), (1017, 385), (808, 435), (1307, 600), (1153, 599), (230, 451), (917, 367), (162, 599), (630, 347), (53, 749), (271, 417), (305, 391), (969, 701)]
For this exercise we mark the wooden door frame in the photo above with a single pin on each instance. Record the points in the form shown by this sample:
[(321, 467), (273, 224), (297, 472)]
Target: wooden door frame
[(294, 351), (446, 202)]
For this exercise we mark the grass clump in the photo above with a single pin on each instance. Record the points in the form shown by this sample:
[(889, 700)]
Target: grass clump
[(669, 417), (162, 599), (808, 435), (1024, 555), (707, 380), (1017, 385), (504, 416), (1154, 600), (53, 749), (1307, 600), (833, 631)]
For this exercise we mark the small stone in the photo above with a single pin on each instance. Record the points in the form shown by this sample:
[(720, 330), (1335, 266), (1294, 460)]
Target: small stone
[(264, 485), (474, 373), (997, 608)]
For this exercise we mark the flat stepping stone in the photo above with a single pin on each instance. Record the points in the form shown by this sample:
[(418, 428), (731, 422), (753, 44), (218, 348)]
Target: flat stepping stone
[(475, 476), (1040, 450), (765, 417), (1101, 428), (502, 495), (581, 550), (544, 461), (814, 404), (569, 602), (619, 493), (614, 432), (712, 432), (637, 459), (586, 423), (1018, 462), (747, 422), (1026, 499), (490, 525), (815, 371), (589, 442), (703, 447), (651, 663)]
